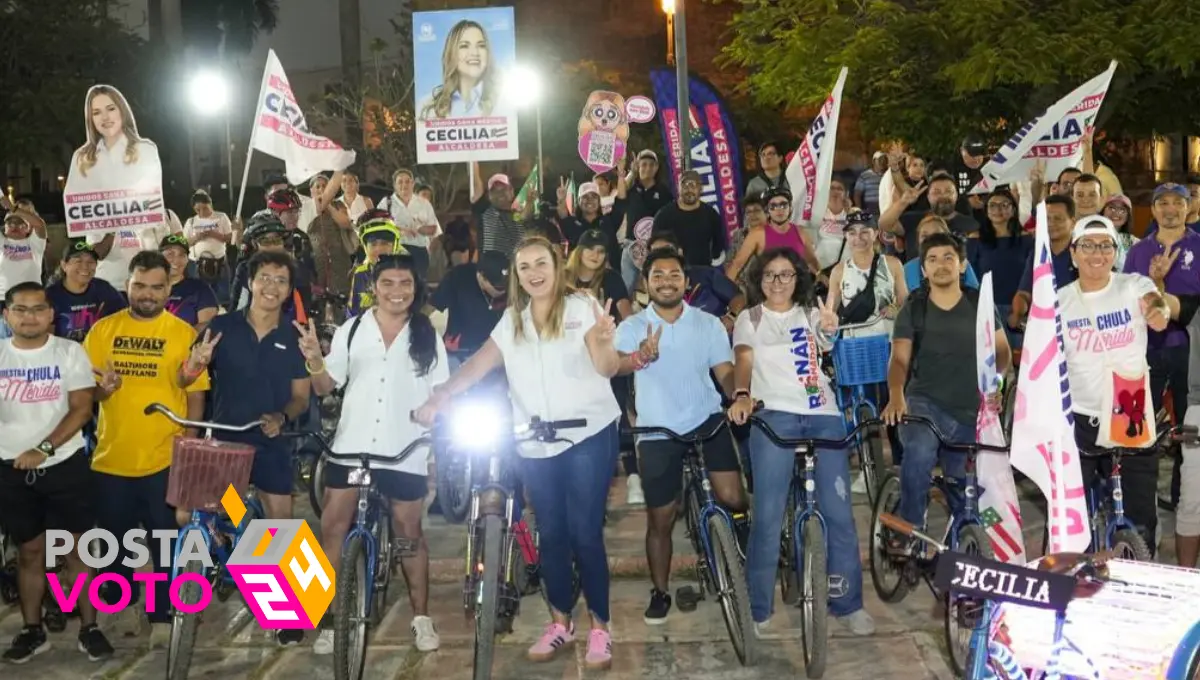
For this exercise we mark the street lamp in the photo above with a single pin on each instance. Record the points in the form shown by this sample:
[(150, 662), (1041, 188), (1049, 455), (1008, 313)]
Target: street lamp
[(209, 93), (523, 87), (677, 34)]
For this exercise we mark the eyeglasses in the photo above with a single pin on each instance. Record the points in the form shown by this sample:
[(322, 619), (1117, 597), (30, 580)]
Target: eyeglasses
[(779, 205), (1089, 247), (1118, 210), (268, 280), (779, 277), (22, 310)]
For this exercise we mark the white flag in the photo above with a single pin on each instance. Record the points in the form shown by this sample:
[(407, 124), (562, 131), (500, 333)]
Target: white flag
[(999, 506), (1043, 444), (812, 165), (281, 131), (1055, 137)]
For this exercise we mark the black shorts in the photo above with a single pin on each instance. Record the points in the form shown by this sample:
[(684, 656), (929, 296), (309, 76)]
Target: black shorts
[(393, 484), (661, 462), (272, 472), (60, 497)]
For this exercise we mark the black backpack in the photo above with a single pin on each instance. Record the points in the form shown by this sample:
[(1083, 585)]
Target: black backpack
[(918, 303)]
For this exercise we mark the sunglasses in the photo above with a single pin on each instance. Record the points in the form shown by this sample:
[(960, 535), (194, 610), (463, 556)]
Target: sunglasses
[(778, 205)]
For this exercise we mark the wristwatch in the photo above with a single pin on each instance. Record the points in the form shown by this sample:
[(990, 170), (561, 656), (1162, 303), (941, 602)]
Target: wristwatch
[(47, 448)]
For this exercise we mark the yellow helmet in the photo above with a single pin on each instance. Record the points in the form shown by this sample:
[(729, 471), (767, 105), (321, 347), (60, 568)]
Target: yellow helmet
[(381, 229)]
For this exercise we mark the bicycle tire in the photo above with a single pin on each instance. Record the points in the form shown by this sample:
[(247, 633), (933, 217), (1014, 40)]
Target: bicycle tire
[(184, 626), (1128, 544), (881, 561), (383, 563), (350, 615), (971, 537), (814, 614), (729, 576), (316, 486), (789, 580), (871, 460), (487, 602), (454, 481)]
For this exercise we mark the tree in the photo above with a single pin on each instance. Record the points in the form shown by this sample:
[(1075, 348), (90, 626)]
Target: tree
[(929, 71), (54, 50), (205, 23)]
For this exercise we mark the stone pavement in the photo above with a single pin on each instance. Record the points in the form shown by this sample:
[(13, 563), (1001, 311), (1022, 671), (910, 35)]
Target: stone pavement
[(691, 646)]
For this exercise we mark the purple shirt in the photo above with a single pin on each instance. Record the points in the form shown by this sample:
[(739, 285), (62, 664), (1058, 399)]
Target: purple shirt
[(1183, 279)]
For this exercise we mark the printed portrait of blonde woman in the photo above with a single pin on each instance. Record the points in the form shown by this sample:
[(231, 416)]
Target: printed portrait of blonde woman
[(470, 85), (115, 156)]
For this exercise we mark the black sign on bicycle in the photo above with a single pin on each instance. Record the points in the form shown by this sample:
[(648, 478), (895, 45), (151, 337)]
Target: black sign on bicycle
[(1000, 582)]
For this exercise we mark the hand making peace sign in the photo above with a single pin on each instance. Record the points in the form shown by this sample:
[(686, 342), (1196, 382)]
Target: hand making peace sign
[(829, 316), (310, 344), (912, 194), (562, 190), (605, 327), (202, 351), (1161, 265), (648, 348)]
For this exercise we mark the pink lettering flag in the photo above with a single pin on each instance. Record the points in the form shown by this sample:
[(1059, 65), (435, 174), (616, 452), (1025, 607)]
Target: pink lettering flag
[(999, 506), (1043, 445), (810, 170)]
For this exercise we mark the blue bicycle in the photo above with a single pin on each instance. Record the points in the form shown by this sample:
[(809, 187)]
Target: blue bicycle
[(711, 529), (201, 471), (858, 364), (804, 569)]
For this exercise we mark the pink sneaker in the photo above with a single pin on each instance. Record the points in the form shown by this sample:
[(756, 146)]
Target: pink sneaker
[(555, 638), (599, 651)]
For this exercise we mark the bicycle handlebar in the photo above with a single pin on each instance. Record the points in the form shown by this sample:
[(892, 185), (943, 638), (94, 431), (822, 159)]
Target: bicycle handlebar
[(1187, 434), (360, 457), (865, 324), (686, 440), (811, 443), (198, 424), (546, 430), (955, 446)]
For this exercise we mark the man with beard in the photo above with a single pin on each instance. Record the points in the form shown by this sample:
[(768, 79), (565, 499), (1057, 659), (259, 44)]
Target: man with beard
[(473, 297), (496, 224), (966, 170), (943, 195), (670, 348), (79, 298), (45, 479), (696, 225), (590, 216), (142, 355), (1060, 218)]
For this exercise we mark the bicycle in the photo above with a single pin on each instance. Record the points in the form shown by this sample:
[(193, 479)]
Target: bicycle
[(710, 527), (457, 474), (803, 558), (201, 471), (490, 591), (859, 363), (964, 533), (365, 572)]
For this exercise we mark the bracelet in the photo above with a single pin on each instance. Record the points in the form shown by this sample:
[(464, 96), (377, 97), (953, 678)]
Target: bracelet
[(738, 394), (189, 375), (314, 371), (638, 362)]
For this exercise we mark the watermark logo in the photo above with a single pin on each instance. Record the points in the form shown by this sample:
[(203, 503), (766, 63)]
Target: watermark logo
[(279, 567)]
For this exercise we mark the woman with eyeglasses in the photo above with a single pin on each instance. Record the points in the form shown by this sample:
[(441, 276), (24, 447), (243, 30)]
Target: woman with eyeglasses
[(192, 300), (778, 232), (1002, 248), (867, 283), (556, 349), (1119, 210), (777, 347)]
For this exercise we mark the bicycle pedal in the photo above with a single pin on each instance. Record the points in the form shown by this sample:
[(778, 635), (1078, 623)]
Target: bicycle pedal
[(687, 598)]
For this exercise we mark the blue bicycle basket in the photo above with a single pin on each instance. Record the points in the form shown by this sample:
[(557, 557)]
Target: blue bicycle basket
[(861, 361)]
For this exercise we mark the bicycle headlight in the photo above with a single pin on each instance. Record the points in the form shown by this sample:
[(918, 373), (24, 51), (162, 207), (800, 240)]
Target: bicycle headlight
[(477, 427)]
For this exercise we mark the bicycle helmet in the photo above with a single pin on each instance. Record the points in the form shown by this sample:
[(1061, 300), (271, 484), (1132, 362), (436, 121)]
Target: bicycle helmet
[(283, 199), (372, 215), (262, 223), (381, 230), (774, 192)]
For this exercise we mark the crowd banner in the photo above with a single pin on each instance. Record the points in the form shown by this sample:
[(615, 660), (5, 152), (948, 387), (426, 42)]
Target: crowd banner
[(1055, 137), (999, 505), (713, 144), (115, 179), (1043, 445), (811, 167), (466, 109)]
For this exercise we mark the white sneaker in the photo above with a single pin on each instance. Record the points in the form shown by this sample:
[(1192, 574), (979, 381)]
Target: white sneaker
[(860, 485), (324, 643), (633, 491), (761, 628), (859, 623), (425, 633)]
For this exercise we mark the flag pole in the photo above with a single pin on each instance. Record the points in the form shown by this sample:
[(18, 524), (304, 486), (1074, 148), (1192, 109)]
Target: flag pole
[(253, 134)]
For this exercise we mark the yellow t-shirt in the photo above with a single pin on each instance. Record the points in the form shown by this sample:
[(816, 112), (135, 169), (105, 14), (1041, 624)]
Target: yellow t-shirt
[(147, 355)]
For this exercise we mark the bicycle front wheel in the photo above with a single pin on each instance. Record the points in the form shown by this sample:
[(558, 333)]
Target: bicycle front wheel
[(870, 455), (184, 626), (1128, 544), (383, 562), (350, 622), (730, 578), (886, 573), (963, 614), (316, 485), (789, 580), (454, 472), (814, 605), (486, 602)]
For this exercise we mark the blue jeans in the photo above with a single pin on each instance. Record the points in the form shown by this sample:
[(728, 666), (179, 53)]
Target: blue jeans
[(922, 452), (569, 493), (773, 467), (629, 270)]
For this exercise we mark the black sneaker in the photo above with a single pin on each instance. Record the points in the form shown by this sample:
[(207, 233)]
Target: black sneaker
[(93, 643), (660, 606), (30, 642), (289, 637)]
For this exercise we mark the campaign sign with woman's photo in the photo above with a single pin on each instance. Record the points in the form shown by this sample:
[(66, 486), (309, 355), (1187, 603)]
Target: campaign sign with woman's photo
[(463, 113), (115, 180)]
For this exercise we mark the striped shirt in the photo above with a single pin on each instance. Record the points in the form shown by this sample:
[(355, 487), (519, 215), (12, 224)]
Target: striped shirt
[(498, 229)]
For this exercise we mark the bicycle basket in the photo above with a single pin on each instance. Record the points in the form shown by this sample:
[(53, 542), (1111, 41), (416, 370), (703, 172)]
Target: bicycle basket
[(861, 361), (202, 469)]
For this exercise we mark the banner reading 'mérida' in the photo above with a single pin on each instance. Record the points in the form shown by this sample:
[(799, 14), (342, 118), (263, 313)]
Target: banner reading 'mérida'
[(712, 144)]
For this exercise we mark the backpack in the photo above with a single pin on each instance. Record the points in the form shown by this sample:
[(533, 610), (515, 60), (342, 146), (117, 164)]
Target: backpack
[(919, 308)]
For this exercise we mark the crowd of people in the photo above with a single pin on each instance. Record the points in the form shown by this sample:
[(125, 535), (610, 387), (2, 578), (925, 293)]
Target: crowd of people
[(584, 318)]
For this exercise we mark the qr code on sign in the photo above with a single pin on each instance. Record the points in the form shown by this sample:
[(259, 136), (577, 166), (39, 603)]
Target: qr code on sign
[(602, 149)]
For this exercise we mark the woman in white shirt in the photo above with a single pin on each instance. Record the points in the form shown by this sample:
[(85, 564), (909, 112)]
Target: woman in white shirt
[(388, 367), (356, 204), (777, 349), (867, 283), (115, 155), (1105, 319), (209, 232), (557, 352)]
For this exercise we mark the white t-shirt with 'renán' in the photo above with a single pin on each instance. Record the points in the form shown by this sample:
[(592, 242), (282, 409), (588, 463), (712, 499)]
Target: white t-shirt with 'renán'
[(787, 373), (35, 386), (216, 224), (1103, 331), (555, 379), (115, 267), (20, 261)]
